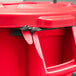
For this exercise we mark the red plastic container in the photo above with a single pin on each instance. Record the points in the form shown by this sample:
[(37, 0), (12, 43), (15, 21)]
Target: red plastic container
[(17, 17)]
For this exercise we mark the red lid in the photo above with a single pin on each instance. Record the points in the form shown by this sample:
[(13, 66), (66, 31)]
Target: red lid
[(55, 21), (36, 5), (27, 14), (37, 2), (73, 9), (37, 8), (27, 2), (16, 4), (65, 3), (18, 18)]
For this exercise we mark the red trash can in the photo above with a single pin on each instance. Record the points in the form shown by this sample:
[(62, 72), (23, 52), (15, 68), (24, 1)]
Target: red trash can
[(18, 17), (30, 19), (32, 5)]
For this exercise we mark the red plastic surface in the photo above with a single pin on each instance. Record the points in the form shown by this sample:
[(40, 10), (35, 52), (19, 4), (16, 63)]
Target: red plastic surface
[(65, 3), (14, 51), (73, 8), (13, 54), (56, 21), (30, 2), (27, 13), (65, 68), (16, 4), (37, 2), (27, 37), (69, 45)]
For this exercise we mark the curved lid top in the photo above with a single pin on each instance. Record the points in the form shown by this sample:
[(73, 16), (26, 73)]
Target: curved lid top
[(19, 17), (37, 2), (55, 21), (26, 2), (73, 9), (36, 8), (65, 3), (27, 14)]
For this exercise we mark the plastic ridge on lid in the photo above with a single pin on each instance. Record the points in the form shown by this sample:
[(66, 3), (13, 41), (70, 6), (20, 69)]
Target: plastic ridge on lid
[(56, 21)]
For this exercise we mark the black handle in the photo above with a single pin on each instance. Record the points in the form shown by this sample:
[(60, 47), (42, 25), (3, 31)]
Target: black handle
[(33, 29), (17, 31)]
